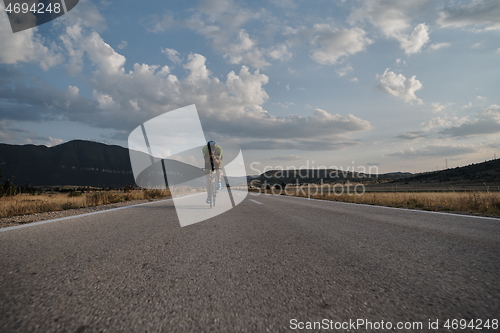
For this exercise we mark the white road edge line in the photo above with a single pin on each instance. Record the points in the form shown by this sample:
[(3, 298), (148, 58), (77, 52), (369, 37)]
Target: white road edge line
[(376, 206), (74, 216), (260, 203)]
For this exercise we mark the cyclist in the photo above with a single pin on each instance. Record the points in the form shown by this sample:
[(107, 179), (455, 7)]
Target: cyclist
[(213, 161)]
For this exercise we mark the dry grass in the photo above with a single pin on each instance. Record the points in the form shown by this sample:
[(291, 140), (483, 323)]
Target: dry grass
[(23, 204), (477, 202)]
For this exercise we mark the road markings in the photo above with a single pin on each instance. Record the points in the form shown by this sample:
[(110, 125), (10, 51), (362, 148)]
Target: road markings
[(260, 203)]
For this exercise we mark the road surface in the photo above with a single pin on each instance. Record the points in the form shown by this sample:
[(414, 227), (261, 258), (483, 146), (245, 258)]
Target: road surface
[(272, 264)]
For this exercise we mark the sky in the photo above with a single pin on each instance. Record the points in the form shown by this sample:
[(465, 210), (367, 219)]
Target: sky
[(397, 85)]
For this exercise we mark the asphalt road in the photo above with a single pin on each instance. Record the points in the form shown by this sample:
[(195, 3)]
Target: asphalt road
[(255, 268)]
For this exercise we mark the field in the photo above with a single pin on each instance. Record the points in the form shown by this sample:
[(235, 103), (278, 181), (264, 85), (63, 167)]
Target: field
[(432, 187), (23, 204), (433, 198), (473, 199)]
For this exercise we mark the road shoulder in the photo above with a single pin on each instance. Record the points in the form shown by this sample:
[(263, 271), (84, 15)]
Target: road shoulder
[(37, 217)]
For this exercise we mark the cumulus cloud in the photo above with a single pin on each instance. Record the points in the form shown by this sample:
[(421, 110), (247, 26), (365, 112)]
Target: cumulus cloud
[(86, 15), (227, 26), (73, 90), (25, 46), (441, 122), (102, 55), (172, 55), (416, 40), (281, 52), (244, 51), (331, 44), (392, 17), (105, 102), (221, 22), (485, 14), (485, 122), (412, 135), (122, 99), (436, 151), (399, 86)]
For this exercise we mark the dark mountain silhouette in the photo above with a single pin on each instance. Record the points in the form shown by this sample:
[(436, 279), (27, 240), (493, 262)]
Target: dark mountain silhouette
[(78, 163)]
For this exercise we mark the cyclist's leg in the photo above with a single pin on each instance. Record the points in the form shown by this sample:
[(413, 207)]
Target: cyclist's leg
[(208, 185), (207, 180)]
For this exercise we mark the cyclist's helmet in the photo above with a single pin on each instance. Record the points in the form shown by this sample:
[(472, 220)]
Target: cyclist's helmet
[(211, 143)]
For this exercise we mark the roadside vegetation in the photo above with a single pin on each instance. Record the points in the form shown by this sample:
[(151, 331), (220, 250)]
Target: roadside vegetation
[(18, 202), (486, 203)]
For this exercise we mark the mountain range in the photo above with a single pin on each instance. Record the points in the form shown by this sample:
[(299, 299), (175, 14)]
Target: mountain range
[(88, 163)]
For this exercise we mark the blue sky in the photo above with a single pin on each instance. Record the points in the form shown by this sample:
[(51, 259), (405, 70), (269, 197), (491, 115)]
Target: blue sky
[(403, 85)]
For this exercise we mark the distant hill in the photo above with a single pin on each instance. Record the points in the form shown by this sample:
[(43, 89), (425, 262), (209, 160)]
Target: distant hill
[(326, 176), (486, 172), (78, 162)]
